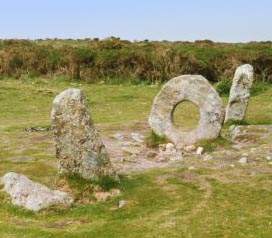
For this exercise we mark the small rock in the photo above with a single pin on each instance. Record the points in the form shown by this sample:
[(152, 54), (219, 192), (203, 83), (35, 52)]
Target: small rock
[(122, 203), (190, 148), (131, 150), (161, 159), (177, 156), (191, 168), (243, 160), (232, 165), (115, 192), (131, 159), (127, 143), (199, 150), (162, 147), (207, 157), (137, 137), (169, 146), (268, 158), (118, 136), (31, 195), (170, 149)]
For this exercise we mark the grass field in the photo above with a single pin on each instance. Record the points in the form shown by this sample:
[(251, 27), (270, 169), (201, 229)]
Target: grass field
[(169, 202)]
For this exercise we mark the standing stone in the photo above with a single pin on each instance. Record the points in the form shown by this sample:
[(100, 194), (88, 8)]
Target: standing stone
[(240, 93), (193, 88), (31, 195), (79, 148)]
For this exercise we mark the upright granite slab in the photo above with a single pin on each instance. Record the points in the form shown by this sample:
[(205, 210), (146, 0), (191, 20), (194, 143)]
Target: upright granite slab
[(193, 88), (239, 93), (79, 148)]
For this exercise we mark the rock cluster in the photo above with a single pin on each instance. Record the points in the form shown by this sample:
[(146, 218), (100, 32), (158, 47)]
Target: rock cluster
[(168, 152), (193, 88), (79, 148), (239, 93), (31, 195)]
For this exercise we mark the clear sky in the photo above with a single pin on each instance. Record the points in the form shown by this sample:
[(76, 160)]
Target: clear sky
[(218, 20)]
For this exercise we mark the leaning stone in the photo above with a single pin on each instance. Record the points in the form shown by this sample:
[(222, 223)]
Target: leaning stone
[(31, 195), (193, 88), (239, 93), (79, 148)]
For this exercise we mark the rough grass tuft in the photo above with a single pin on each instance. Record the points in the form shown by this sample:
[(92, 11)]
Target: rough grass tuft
[(211, 145), (236, 123), (223, 87), (154, 140)]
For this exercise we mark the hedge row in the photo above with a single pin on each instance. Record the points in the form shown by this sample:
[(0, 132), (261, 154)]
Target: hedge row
[(94, 60)]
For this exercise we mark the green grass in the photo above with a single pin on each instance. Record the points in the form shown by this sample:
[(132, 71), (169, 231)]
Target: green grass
[(161, 203), (211, 145)]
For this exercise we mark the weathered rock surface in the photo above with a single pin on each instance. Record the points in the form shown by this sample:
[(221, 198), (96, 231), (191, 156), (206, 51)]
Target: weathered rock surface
[(239, 93), (79, 148), (251, 134), (31, 195), (193, 88)]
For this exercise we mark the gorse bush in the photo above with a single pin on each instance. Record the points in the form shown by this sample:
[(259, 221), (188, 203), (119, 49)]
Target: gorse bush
[(149, 62), (223, 87)]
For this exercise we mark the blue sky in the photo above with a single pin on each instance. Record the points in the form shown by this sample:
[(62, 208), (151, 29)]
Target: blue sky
[(218, 20)]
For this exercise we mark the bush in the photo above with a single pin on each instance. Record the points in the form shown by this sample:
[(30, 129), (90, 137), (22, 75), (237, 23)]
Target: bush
[(146, 61), (223, 87)]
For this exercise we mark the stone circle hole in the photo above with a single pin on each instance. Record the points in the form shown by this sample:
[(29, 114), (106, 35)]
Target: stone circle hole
[(185, 115)]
